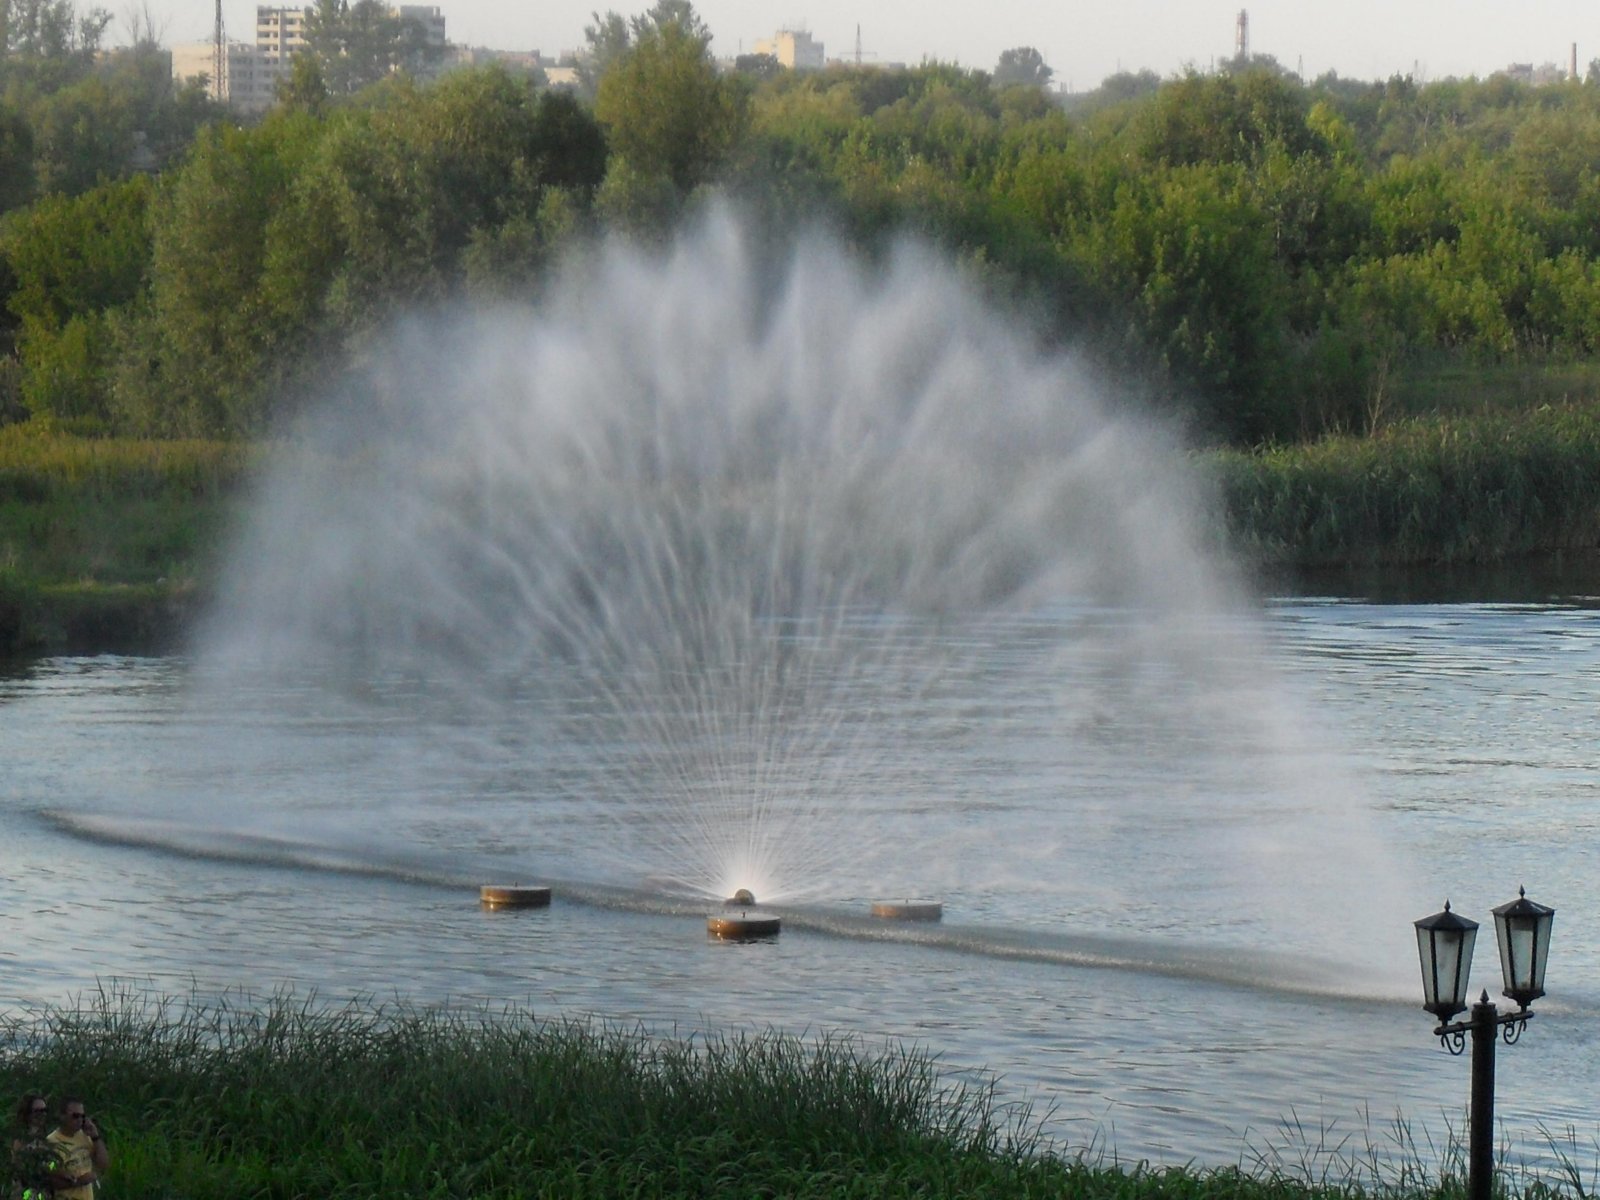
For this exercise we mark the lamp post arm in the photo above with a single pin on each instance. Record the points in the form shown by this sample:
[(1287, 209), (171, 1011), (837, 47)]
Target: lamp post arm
[(1511, 1024)]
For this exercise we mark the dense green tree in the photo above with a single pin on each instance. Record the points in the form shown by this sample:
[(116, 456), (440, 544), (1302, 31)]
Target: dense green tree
[(360, 44), (194, 360), (1283, 255), (677, 15), (1204, 291), (280, 250), (50, 30), (607, 40), (1121, 88), (79, 254), (304, 88), (671, 118), (400, 195), (16, 158), (1224, 118), (73, 261), (114, 116), (758, 66), (1023, 65)]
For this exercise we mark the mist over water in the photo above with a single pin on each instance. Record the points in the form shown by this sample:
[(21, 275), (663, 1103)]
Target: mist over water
[(811, 576)]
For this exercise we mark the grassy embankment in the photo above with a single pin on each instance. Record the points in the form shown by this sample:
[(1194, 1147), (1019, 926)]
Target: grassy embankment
[(107, 542), (283, 1100)]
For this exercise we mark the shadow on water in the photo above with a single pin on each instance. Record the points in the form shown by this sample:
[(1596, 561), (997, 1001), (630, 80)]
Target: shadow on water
[(1570, 578)]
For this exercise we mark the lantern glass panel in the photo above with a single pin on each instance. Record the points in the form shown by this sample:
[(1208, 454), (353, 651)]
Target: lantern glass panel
[(1446, 955), (1516, 951)]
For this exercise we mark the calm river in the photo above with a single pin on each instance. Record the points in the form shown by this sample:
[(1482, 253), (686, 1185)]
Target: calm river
[(1178, 902)]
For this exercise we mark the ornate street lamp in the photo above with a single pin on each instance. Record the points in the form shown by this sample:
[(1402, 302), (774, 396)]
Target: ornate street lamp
[(1444, 944)]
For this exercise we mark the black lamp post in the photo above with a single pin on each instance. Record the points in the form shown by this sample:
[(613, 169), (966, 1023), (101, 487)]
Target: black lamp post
[(1444, 944)]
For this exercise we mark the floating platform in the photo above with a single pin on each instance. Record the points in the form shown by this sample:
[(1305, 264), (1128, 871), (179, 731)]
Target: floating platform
[(908, 910), (742, 926), (515, 896)]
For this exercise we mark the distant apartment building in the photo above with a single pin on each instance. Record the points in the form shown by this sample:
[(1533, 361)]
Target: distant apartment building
[(247, 84), (429, 17), (520, 62), (250, 76), (280, 35), (1540, 76), (794, 49)]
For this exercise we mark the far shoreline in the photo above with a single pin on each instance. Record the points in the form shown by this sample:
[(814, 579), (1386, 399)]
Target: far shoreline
[(159, 620)]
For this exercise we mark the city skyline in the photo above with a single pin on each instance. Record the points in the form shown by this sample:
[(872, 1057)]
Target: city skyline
[(1364, 39)]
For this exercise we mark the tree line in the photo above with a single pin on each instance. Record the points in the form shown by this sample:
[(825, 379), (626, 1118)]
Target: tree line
[(1275, 255)]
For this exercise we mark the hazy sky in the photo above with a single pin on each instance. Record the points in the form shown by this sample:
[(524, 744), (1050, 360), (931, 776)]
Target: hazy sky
[(1362, 39)]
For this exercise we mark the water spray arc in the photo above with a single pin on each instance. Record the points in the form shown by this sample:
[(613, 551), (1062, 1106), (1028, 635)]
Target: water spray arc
[(686, 583)]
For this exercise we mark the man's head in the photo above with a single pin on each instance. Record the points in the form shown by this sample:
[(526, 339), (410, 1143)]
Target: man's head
[(72, 1113)]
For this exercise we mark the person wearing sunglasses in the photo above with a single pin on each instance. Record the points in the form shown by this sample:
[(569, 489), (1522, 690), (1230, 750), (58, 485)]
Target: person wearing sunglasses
[(32, 1157), (82, 1150)]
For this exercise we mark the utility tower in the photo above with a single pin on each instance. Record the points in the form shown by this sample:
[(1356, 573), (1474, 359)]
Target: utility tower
[(862, 55), (1241, 36), (219, 60)]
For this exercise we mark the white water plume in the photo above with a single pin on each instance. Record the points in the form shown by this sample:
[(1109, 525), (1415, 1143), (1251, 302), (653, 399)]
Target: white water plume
[(702, 574)]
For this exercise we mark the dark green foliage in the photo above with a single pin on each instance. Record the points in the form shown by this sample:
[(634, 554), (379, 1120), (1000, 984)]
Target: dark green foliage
[(358, 45), (305, 88), (16, 158), (279, 249), (758, 66), (1214, 119), (70, 120), (1279, 256), (71, 262), (1278, 260), (671, 119), (72, 256), (1022, 65)]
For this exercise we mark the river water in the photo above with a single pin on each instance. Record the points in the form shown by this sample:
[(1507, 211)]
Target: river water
[(1178, 903)]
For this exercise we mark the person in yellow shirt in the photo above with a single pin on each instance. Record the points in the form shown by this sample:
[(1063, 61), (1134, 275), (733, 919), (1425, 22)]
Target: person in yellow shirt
[(83, 1152)]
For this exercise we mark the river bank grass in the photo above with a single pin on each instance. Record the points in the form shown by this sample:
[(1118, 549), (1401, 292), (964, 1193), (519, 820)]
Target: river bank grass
[(107, 542), (113, 543), (286, 1098), (1459, 489)]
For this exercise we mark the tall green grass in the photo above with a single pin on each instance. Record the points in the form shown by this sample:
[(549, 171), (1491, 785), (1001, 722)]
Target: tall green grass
[(105, 540), (286, 1098), (1436, 490), (289, 1098)]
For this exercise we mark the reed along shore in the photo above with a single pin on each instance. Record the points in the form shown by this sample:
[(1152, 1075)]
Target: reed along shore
[(109, 544)]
